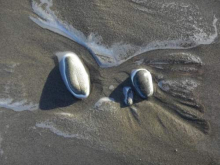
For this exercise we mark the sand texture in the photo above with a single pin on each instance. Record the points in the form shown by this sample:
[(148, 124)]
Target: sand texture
[(177, 41)]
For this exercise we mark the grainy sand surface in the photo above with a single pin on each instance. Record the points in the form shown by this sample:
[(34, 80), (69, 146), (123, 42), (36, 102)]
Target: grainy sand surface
[(42, 123)]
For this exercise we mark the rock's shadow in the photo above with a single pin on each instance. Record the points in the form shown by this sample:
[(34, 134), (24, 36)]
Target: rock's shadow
[(118, 95), (55, 93)]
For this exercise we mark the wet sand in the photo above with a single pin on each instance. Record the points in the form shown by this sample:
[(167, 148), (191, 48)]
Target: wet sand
[(42, 123)]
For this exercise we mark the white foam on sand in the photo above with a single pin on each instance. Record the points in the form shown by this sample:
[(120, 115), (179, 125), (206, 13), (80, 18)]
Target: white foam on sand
[(120, 52), (103, 100), (10, 67), (52, 128), (13, 96), (106, 104), (22, 105)]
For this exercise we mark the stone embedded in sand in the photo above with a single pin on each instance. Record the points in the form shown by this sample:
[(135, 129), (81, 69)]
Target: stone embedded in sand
[(74, 74), (128, 95), (142, 82)]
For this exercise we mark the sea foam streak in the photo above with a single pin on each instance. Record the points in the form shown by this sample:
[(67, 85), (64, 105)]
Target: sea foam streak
[(118, 52), (13, 92), (22, 105), (52, 128)]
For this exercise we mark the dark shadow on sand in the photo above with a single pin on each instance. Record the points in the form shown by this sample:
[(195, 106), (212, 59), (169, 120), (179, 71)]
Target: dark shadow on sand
[(55, 93), (118, 95)]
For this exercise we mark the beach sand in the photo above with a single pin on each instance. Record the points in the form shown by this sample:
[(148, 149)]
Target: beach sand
[(42, 123)]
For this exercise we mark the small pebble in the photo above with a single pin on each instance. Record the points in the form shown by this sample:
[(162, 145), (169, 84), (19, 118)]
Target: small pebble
[(111, 87), (128, 95)]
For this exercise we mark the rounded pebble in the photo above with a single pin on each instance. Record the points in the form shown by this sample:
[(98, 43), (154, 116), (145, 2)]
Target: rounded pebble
[(142, 82), (74, 74)]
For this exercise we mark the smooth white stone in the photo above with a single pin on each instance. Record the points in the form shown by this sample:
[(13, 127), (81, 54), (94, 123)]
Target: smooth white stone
[(75, 76), (142, 82)]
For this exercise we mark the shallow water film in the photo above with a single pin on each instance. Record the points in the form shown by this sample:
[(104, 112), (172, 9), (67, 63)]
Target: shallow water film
[(191, 28)]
